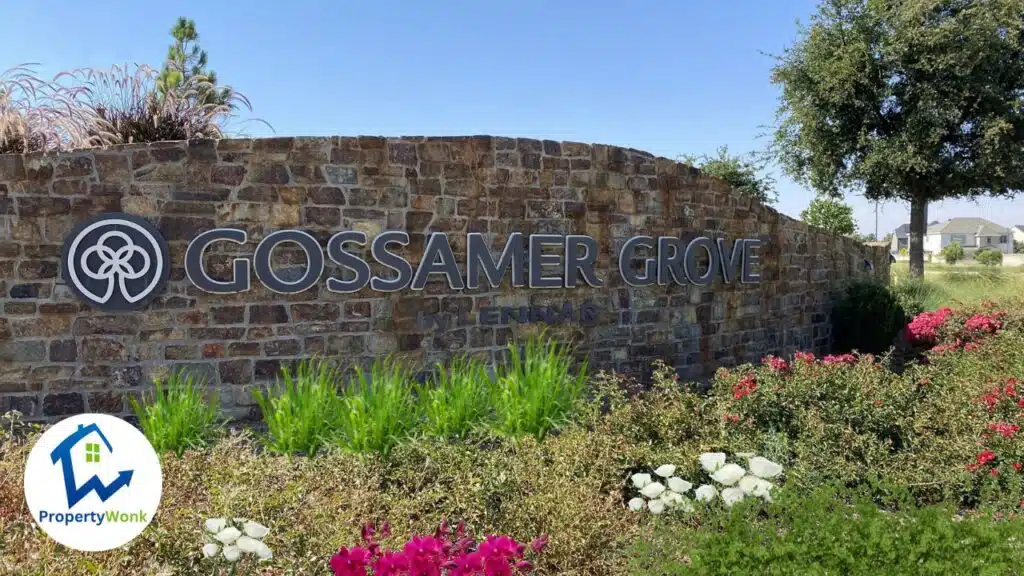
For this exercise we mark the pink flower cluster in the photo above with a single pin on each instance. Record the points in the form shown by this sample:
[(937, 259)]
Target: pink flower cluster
[(831, 359), (441, 554), (1005, 403), (775, 363), (805, 357), (983, 324), (746, 386), (924, 328)]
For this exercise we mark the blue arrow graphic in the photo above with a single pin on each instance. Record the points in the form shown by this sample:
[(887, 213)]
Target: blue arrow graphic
[(94, 484)]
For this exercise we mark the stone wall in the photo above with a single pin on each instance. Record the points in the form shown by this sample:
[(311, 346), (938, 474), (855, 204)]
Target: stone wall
[(58, 356)]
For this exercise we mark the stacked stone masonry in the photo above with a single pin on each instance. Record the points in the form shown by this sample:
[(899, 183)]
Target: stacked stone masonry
[(59, 357)]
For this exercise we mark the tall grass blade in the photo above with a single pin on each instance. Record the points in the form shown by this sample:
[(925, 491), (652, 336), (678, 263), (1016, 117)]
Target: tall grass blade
[(539, 389), (180, 415), (379, 408), (303, 410)]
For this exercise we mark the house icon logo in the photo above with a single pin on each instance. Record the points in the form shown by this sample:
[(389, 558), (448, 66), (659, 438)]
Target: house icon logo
[(62, 454), (93, 482)]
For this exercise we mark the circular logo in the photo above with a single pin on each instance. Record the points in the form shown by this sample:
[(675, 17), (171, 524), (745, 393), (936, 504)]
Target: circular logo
[(93, 482), (116, 262)]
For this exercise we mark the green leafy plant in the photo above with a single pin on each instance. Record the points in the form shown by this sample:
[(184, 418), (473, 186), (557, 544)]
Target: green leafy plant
[(866, 317), (457, 399), (831, 531), (303, 410), (180, 415), (379, 407), (538, 388), (952, 253), (989, 257)]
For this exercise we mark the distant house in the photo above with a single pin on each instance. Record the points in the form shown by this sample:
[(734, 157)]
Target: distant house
[(1018, 233), (971, 233), (901, 238)]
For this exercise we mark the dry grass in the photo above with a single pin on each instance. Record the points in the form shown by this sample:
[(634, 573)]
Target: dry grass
[(568, 486), (89, 107)]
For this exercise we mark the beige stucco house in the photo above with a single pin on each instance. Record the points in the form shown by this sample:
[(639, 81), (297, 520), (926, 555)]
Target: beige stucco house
[(971, 233)]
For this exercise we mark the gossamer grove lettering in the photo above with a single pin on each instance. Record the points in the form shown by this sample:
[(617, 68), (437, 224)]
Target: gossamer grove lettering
[(671, 260)]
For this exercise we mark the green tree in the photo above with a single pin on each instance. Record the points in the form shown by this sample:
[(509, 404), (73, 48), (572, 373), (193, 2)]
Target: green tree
[(744, 173), (914, 100), (952, 253), (831, 214), (185, 61)]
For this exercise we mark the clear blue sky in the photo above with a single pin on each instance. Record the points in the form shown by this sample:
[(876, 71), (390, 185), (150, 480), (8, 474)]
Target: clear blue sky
[(670, 77)]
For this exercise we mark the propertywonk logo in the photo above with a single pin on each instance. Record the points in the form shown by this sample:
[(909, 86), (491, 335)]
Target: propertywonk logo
[(93, 482)]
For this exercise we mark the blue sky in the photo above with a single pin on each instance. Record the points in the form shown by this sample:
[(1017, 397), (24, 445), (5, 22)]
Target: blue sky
[(670, 77)]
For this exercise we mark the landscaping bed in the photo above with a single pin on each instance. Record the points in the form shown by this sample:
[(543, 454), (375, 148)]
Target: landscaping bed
[(878, 471)]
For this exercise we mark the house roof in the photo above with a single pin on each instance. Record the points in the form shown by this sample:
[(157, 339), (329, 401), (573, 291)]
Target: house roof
[(972, 226), (904, 229), (1019, 227)]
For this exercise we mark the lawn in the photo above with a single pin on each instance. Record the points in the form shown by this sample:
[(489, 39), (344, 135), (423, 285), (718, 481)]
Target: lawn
[(963, 283), (802, 465)]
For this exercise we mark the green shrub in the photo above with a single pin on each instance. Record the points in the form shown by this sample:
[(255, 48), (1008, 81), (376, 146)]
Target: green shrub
[(989, 257), (915, 296), (952, 253), (303, 410), (457, 399), (831, 532), (180, 415), (538, 388), (866, 317), (379, 408)]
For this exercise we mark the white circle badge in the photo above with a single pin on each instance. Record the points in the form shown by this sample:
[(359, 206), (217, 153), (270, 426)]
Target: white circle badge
[(93, 482)]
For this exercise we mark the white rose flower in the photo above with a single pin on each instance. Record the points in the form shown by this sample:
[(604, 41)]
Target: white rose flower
[(640, 480), (731, 496), (665, 470), (653, 490), (764, 468), (712, 461), (228, 535), (656, 506), (671, 499), (636, 504), (215, 525), (248, 545), (706, 493), (729, 474), (255, 530), (210, 550), (231, 553), (676, 484)]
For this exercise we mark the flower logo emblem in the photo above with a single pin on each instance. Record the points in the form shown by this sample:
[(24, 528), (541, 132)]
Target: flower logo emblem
[(116, 262)]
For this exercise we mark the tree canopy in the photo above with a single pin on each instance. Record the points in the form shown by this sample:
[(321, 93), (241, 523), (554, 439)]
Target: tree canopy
[(743, 173), (830, 214), (185, 59), (913, 100)]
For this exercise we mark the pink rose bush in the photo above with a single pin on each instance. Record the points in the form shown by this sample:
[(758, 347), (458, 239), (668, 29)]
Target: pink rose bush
[(442, 554)]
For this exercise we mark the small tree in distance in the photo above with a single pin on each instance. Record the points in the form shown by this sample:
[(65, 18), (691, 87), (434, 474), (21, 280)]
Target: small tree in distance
[(744, 174), (830, 214), (952, 253)]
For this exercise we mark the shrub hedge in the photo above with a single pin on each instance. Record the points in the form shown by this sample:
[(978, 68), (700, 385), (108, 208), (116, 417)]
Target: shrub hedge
[(944, 432)]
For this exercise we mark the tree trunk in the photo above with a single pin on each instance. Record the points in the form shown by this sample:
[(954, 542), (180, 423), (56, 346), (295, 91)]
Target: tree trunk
[(918, 226)]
